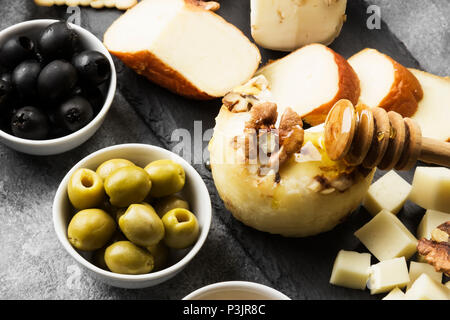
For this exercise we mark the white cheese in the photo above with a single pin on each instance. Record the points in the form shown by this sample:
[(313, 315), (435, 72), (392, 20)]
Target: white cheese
[(431, 188), (430, 221), (290, 24), (395, 294), (425, 288), (388, 274), (351, 270), (386, 237), (390, 192), (416, 269)]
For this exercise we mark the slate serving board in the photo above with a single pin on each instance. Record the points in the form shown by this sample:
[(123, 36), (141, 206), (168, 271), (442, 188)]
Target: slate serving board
[(299, 268)]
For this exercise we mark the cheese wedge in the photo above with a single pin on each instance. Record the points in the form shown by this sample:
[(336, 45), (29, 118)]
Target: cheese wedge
[(434, 109), (311, 80), (290, 24), (385, 83), (183, 47)]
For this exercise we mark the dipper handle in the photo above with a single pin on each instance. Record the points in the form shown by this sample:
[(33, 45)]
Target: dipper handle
[(435, 151), (372, 137)]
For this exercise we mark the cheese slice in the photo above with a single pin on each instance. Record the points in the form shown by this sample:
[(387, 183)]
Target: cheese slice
[(311, 80), (290, 24), (385, 83), (434, 109), (184, 47)]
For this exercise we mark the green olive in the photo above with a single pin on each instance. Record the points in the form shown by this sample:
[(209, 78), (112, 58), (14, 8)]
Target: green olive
[(127, 185), (99, 258), (167, 177), (107, 167), (90, 229), (141, 225), (127, 258), (121, 211), (85, 189), (181, 227), (164, 205), (160, 253)]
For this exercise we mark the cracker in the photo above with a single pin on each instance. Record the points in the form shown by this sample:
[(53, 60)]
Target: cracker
[(97, 4)]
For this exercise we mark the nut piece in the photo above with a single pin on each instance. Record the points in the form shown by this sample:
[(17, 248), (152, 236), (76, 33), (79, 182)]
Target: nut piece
[(291, 136), (207, 5), (437, 250)]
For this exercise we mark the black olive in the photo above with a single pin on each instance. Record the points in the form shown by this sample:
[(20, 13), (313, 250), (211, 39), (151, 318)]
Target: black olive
[(92, 66), (56, 81), (5, 91), (58, 41), (7, 77), (16, 50), (75, 113), (30, 123), (95, 97), (25, 78)]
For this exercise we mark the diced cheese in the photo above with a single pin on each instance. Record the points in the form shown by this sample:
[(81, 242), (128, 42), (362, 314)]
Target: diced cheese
[(386, 237), (416, 269), (430, 221), (425, 288), (388, 274), (431, 188), (395, 294), (351, 269), (390, 192)]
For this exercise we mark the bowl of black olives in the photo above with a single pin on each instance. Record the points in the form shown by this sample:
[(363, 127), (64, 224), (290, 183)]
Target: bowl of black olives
[(57, 83), (133, 215)]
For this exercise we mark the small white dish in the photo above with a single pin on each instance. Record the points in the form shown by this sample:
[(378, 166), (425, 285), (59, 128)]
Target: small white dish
[(194, 191), (73, 140), (236, 290)]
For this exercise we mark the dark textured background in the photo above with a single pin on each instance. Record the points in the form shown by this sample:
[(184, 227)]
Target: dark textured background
[(33, 265)]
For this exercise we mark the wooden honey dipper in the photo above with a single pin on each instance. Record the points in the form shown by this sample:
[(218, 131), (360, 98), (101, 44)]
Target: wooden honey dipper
[(372, 137)]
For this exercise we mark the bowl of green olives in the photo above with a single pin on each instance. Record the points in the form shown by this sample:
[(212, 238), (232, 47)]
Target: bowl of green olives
[(57, 83), (133, 215)]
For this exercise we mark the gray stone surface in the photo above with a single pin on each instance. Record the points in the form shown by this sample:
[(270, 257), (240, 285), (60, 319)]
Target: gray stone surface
[(33, 265)]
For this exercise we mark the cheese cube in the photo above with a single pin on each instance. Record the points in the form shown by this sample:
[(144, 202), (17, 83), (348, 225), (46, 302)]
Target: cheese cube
[(425, 288), (430, 221), (351, 270), (416, 269), (390, 192), (388, 274), (395, 294), (431, 188), (447, 284), (386, 237)]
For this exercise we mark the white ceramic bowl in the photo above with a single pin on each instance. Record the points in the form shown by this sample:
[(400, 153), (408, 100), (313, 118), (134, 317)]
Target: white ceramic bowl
[(71, 141), (194, 191), (236, 290)]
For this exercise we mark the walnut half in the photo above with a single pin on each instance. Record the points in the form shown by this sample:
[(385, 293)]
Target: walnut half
[(437, 250)]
